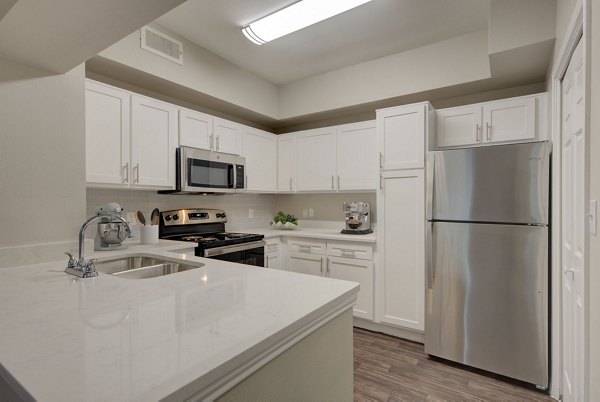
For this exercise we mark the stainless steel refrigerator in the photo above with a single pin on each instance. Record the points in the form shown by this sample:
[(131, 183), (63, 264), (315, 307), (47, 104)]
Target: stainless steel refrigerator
[(488, 258)]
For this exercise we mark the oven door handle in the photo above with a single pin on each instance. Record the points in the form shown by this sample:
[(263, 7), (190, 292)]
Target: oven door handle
[(211, 252)]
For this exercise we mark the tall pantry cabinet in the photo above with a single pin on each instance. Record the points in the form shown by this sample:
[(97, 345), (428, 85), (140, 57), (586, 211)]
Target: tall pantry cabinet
[(400, 279)]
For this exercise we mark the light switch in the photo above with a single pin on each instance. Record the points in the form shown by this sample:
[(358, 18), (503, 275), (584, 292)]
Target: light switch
[(311, 212), (305, 213), (594, 217), (251, 214)]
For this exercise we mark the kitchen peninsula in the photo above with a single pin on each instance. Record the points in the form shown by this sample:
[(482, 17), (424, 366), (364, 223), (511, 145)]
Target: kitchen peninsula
[(209, 333)]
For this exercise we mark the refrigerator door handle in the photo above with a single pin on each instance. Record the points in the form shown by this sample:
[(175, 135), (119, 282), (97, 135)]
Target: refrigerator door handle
[(429, 258), (429, 177)]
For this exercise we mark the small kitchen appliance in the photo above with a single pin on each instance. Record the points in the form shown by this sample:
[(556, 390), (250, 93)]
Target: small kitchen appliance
[(358, 217), (111, 232), (206, 229)]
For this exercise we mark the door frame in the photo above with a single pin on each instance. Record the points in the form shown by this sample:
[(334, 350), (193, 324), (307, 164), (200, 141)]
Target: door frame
[(579, 27)]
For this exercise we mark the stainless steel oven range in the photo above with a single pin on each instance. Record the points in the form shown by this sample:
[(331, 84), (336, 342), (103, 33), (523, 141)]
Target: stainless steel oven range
[(206, 228)]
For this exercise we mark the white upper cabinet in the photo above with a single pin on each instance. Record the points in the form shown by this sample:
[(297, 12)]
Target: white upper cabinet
[(286, 163), (154, 140), (227, 136), (107, 135), (512, 120), (401, 136), (459, 126), (260, 151), (316, 159), (195, 129), (357, 156)]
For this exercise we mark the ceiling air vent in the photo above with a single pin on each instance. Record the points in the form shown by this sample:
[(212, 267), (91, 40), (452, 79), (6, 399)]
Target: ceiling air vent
[(163, 45)]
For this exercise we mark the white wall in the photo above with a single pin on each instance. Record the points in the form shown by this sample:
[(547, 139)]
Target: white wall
[(327, 207), (42, 156)]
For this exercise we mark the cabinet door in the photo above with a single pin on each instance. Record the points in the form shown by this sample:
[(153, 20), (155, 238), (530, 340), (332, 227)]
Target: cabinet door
[(228, 136), (355, 271), (107, 135), (286, 163), (459, 126), (195, 129), (316, 159), (153, 140), (509, 120), (401, 241), (401, 137), (260, 151), (272, 260), (306, 263), (357, 156)]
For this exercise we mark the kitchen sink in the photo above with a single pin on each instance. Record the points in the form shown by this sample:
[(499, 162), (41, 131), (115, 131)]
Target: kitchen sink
[(142, 267)]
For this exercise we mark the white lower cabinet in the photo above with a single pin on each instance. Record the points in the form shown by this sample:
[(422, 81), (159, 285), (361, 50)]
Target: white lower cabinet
[(305, 263), (354, 270), (272, 254), (400, 287)]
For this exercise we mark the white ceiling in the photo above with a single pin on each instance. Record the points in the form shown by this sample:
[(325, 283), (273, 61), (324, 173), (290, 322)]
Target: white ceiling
[(373, 30)]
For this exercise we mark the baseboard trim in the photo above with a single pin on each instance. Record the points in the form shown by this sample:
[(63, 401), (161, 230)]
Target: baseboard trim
[(411, 335)]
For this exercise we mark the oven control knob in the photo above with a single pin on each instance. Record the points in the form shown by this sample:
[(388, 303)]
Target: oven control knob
[(168, 218), (223, 215), (175, 217)]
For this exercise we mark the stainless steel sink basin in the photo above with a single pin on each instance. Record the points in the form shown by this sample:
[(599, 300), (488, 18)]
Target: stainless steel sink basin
[(142, 267)]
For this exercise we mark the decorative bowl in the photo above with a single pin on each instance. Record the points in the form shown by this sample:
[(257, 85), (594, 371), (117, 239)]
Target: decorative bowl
[(284, 226)]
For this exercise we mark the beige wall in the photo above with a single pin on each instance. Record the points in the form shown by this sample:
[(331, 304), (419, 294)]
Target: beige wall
[(42, 155), (327, 207)]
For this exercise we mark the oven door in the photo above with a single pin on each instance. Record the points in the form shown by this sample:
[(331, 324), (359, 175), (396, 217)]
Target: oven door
[(252, 253), (200, 171)]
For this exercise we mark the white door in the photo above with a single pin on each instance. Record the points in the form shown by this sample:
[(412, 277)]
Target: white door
[(459, 126), (107, 135), (357, 156), (401, 240), (260, 151), (153, 142), (401, 137), (228, 136), (573, 228), (195, 129), (286, 163), (509, 120), (354, 270), (316, 159), (306, 263)]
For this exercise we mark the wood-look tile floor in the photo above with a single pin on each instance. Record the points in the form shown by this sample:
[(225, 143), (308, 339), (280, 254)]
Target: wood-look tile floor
[(392, 369)]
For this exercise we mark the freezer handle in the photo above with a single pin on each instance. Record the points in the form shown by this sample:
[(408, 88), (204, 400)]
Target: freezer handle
[(429, 259), (429, 177)]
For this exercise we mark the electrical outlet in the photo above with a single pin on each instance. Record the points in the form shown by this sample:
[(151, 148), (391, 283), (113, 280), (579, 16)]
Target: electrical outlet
[(305, 213), (250, 213), (311, 212)]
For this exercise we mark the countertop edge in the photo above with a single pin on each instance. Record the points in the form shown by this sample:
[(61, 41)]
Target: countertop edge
[(223, 378)]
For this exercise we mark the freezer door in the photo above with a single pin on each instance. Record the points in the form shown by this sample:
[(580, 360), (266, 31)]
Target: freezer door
[(503, 183), (487, 298)]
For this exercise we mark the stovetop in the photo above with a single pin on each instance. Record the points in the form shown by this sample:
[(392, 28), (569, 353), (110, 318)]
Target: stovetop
[(210, 240)]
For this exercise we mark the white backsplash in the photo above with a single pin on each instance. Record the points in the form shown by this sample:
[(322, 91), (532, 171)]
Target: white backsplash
[(236, 205)]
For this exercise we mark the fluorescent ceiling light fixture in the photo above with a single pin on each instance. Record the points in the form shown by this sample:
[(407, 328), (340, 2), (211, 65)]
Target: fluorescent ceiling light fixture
[(297, 16)]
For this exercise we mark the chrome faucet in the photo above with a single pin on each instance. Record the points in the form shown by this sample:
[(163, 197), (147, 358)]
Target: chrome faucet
[(80, 267)]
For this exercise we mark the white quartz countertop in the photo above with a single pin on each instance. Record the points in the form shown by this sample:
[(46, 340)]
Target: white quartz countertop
[(317, 233), (115, 339)]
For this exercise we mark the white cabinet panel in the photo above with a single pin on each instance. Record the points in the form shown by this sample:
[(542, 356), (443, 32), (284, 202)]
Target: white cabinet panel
[(107, 135), (350, 250), (272, 260), (228, 136), (401, 137), (401, 221), (260, 151), (195, 129), (509, 120), (307, 246), (154, 139), (316, 159), (356, 271), (459, 126), (357, 156), (306, 263), (286, 163)]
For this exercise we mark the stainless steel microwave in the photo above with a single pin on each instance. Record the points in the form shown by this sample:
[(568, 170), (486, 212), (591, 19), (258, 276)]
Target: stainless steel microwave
[(199, 171)]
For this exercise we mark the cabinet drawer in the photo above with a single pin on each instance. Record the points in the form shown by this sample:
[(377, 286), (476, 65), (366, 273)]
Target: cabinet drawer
[(309, 247), (272, 245), (358, 251)]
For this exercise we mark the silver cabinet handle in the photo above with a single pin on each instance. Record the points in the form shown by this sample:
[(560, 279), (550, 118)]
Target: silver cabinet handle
[(381, 182), (332, 179), (246, 184), (321, 264), (126, 169), (477, 131), (488, 129), (327, 266), (290, 184), (304, 249), (137, 173), (267, 266), (218, 137), (380, 160), (338, 181)]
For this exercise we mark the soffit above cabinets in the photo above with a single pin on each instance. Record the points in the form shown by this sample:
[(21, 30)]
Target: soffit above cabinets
[(376, 29)]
